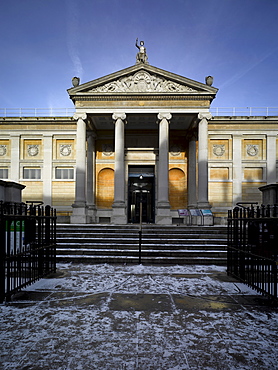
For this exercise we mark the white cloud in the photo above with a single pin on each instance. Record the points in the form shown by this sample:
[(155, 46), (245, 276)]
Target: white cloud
[(73, 36)]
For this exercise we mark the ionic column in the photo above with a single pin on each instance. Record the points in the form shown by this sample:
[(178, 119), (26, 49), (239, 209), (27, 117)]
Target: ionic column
[(237, 169), (79, 214), (271, 159), (203, 160), (119, 205), (91, 176), (192, 170), (163, 206)]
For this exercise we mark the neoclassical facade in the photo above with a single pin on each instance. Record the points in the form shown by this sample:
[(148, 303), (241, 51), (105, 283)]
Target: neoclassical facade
[(143, 136)]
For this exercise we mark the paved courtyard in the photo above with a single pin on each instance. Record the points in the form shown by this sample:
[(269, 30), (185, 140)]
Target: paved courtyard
[(138, 317)]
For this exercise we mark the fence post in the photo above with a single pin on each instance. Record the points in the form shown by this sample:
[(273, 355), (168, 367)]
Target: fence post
[(47, 224), (40, 247), (2, 255), (47, 239)]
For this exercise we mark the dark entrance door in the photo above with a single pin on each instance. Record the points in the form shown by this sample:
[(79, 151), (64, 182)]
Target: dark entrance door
[(141, 189)]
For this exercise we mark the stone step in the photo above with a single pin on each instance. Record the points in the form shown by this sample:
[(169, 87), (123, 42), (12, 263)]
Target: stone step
[(144, 253), (146, 229), (134, 236), (135, 246), (120, 244), (145, 260)]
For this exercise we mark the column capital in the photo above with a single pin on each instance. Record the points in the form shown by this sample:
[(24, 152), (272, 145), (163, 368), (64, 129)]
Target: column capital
[(80, 116), (206, 116), (119, 115), (91, 134), (162, 116)]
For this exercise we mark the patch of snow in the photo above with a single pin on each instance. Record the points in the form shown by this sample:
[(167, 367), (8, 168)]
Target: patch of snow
[(77, 327)]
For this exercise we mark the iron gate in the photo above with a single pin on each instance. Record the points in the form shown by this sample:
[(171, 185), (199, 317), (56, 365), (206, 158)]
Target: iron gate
[(253, 247), (27, 245)]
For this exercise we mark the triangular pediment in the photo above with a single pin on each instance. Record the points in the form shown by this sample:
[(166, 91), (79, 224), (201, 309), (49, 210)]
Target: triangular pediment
[(142, 79)]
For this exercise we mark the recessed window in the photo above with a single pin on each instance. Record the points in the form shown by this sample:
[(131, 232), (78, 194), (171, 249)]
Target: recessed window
[(4, 173), (63, 173), (32, 173)]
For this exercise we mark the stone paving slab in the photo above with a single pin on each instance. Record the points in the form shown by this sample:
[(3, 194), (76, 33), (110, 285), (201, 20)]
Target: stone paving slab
[(147, 317)]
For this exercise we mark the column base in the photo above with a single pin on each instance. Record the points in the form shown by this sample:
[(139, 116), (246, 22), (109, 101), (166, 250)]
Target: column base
[(79, 214), (119, 214), (92, 213), (163, 214), (204, 205), (192, 206)]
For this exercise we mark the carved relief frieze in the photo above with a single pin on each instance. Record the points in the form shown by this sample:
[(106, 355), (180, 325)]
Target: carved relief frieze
[(142, 81)]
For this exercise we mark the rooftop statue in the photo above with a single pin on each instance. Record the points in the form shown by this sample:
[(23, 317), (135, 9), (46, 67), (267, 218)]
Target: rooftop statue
[(141, 56)]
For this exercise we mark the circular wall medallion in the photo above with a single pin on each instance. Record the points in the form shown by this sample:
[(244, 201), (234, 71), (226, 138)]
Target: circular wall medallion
[(218, 149), (33, 150), (252, 150), (3, 150), (65, 149)]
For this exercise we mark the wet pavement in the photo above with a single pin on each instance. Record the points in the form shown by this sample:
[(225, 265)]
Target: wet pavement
[(138, 317)]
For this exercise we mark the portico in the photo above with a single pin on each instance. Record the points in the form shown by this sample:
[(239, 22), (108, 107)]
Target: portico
[(141, 122)]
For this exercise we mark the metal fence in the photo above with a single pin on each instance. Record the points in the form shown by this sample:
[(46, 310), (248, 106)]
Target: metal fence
[(27, 245), (244, 111), (253, 247), (68, 112), (36, 112)]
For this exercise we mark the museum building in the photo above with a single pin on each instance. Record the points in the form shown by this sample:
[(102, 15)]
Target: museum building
[(141, 135)]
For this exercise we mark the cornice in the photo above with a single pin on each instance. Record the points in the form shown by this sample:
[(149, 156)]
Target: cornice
[(105, 97)]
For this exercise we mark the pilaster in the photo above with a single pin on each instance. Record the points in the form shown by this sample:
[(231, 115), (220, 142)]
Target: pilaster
[(203, 160), (47, 168), (271, 159), (192, 171), (237, 169), (15, 145), (91, 176)]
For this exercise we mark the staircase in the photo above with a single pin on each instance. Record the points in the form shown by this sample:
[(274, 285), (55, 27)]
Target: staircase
[(159, 245)]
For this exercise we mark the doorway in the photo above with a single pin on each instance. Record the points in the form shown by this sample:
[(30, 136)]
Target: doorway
[(141, 189)]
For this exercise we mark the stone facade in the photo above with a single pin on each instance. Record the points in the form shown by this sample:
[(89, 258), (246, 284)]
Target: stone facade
[(139, 135)]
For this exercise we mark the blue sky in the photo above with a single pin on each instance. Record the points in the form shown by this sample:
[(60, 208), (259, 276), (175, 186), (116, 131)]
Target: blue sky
[(44, 43)]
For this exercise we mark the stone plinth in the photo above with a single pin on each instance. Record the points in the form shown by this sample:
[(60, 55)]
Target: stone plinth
[(11, 191), (119, 214), (270, 194), (79, 214)]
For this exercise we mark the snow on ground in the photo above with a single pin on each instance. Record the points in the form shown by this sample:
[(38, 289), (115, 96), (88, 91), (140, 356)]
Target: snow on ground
[(138, 317)]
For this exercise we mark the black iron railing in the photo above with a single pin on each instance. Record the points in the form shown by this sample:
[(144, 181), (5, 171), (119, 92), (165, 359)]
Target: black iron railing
[(27, 245), (253, 247)]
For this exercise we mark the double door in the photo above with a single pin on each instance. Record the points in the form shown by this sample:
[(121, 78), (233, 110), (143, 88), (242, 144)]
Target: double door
[(141, 197)]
